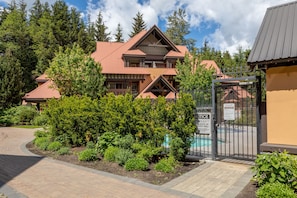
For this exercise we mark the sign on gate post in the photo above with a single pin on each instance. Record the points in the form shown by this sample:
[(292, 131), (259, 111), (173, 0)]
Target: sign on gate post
[(229, 111), (204, 123)]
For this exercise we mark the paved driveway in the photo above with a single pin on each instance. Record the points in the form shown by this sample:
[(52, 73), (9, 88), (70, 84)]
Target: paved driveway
[(33, 176), (23, 174)]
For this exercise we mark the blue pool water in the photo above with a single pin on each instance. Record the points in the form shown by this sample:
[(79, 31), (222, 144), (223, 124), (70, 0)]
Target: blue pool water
[(197, 142)]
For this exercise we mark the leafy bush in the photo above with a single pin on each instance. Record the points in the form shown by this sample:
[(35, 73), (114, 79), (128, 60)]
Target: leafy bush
[(136, 164), (276, 167), (54, 146), (71, 118), (87, 155), (182, 121), (106, 140), (42, 142), (126, 142), (90, 145), (147, 152), (176, 148), (63, 151), (123, 155), (41, 133), (18, 115), (40, 120), (24, 114), (275, 190), (111, 153), (166, 165)]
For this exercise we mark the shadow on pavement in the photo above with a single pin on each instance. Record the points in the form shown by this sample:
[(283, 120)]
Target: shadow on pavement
[(13, 165)]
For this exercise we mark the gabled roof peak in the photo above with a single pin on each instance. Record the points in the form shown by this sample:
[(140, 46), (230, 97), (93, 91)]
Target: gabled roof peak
[(154, 29)]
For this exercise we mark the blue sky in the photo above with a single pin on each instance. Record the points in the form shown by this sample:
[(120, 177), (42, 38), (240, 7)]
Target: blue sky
[(226, 25)]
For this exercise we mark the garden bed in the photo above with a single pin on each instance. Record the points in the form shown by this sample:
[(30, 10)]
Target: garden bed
[(150, 176)]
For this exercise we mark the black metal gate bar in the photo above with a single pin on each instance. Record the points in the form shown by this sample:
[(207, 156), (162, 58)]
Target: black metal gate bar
[(236, 139)]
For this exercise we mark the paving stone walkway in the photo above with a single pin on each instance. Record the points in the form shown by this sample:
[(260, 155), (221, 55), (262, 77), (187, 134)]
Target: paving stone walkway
[(23, 174)]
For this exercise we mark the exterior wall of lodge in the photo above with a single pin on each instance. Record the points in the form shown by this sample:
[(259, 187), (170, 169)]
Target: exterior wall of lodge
[(281, 85)]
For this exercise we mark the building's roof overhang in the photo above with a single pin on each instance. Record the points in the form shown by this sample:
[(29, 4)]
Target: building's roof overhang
[(275, 44)]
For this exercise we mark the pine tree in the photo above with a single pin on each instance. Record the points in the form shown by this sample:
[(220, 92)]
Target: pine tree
[(36, 12), (178, 28), (61, 20), (138, 24), (44, 41), (119, 34), (85, 40), (74, 25), (100, 29), (10, 84), (15, 38)]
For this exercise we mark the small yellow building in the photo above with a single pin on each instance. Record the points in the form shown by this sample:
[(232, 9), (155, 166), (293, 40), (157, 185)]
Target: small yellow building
[(275, 52)]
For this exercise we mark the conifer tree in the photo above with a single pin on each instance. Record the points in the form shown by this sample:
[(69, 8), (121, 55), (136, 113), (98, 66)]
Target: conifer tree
[(138, 24), (10, 84), (15, 38), (178, 28), (119, 34), (61, 20), (101, 33)]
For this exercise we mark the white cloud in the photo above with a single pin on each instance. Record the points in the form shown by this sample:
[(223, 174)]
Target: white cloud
[(229, 23), (238, 21)]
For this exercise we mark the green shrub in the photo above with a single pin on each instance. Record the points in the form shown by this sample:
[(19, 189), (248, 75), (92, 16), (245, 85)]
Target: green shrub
[(71, 118), (18, 115), (90, 145), (87, 155), (176, 148), (42, 142), (166, 165), (41, 133), (126, 142), (276, 167), (63, 151), (106, 140), (40, 120), (54, 146), (136, 164), (64, 139), (275, 190), (123, 155), (111, 153), (147, 152)]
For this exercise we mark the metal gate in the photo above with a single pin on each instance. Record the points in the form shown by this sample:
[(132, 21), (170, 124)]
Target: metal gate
[(236, 110), (228, 119)]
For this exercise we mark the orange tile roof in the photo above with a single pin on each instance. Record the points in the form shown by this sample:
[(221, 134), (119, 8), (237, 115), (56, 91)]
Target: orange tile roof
[(210, 64), (42, 78), (109, 54), (42, 93)]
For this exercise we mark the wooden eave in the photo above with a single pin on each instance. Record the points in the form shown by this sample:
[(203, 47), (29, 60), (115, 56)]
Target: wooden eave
[(161, 34)]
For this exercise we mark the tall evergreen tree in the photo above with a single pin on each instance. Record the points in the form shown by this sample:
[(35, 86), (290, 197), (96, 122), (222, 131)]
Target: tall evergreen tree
[(74, 25), (36, 12), (15, 37), (178, 28), (61, 20), (10, 84), (119, 34), (100, 29), (85, 40), (138, 24), (44, 41)]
